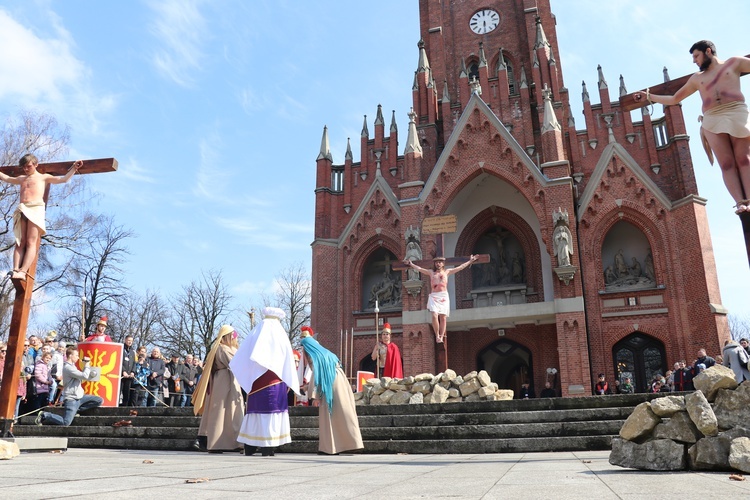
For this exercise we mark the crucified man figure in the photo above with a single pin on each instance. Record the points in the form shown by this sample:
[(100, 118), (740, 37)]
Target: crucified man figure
[(439, 303), (28, 219), (725, 128)]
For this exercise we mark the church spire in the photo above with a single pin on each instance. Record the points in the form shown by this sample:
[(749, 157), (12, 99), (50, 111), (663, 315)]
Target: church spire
[(623, 90), (666, 74), (446, 92), (602, 81), (423, 64), (348, 155), (325, 149), (585, 93), (412, 139), (550, 118), (365, 132), (379, 116), (394, 128), (482, 56), (541, 38)]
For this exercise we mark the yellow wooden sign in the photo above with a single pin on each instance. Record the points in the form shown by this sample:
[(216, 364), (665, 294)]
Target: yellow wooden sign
[(440, 224)]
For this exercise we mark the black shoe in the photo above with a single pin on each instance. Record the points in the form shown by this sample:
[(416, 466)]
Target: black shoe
[(216, 451), (197, 445), (250, 450), (267, 452)]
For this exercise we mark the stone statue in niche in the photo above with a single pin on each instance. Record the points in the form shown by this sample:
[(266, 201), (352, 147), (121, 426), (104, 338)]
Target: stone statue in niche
[(562, 238), (517, 268), (501, 264), (413, 251), (621, 268), (387, 292), (619, 276)]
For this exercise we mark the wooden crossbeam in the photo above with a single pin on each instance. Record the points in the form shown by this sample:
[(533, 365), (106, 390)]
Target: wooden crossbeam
[(483, 258), (96, 166), (629, 103)]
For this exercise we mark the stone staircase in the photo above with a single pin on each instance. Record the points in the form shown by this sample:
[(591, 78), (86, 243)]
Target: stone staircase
[(550, 424)]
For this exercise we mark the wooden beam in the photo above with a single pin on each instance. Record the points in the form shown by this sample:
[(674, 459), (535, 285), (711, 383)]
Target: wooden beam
[(628, 102), (61, 167), (482, 258)]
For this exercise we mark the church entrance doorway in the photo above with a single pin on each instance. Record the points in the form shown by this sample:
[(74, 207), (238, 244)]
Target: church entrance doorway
[(639, 357), (508, 364)]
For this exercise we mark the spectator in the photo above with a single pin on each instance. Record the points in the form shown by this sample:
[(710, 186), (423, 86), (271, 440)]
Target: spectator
[(56, 369), (129, 359), (156, 378), (669, 380), (627, 386), (736, 359), (189, 379), (527, 392), (602, 387), (74, 400), (175, 382), (41, 382), (616, 386), (683, 377), (703, 359), (141, 370), (745, 345), (99, 335), (548, 391)]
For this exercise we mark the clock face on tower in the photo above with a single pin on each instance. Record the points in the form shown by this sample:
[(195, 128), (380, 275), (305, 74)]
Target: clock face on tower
[(484, 21)]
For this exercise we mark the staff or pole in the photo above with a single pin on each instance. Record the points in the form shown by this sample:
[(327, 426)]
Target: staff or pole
[(83, 319), (351, 355), (377, 339)]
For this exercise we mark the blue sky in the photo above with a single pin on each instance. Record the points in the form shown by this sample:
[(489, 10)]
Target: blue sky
[(215, 110)]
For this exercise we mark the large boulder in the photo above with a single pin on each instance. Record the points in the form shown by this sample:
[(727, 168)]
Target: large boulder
[(8, 450), (712, 453), (668, 405), (739, 454), (711, 380), (448, 375), (657, 454), (400, 398), (440, 394), (701, 413), (640, 423), (732, 408), (484, 378), (679, 427), (470, 387)]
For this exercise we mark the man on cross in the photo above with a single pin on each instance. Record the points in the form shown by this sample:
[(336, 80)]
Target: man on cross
[(439, 303), (725, 128), (28, 219)]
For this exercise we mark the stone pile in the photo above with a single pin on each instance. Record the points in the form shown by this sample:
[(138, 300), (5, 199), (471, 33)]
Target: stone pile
[(706, 430), (446, 387)]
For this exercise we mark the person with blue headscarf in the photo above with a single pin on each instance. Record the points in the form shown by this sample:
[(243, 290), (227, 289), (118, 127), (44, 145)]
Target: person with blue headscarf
[(338, 427)]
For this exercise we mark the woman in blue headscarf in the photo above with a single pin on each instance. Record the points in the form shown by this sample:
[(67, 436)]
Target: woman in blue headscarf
[(338, 427)]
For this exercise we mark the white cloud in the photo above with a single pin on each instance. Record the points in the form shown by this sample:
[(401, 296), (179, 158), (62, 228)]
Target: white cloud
[(181, 29)]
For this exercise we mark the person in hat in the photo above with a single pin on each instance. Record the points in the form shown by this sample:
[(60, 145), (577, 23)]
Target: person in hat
[(99, 335), (218, 396), (602, 387), (439, 303), (338, 427), (388, 355), (265, 368), (174, 382)]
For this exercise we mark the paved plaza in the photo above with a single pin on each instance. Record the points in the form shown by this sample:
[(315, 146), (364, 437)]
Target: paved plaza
[(115, 474)]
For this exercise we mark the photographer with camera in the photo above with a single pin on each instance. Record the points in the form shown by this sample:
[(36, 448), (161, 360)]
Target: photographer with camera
[(73, 397)]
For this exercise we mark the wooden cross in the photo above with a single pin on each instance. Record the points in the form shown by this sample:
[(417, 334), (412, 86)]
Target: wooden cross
[(440, 225), (629, 103), (20, 318)]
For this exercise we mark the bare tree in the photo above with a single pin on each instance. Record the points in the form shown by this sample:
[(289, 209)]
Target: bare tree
[(197, 313), (739, 326), (40, 134), (138, 315), (293, 297), (96, 274)]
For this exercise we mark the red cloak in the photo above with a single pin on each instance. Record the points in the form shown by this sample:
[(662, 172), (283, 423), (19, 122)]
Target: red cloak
[(393, 367)]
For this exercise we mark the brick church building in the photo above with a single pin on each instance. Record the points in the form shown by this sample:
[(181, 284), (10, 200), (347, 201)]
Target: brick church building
[(600, 254)]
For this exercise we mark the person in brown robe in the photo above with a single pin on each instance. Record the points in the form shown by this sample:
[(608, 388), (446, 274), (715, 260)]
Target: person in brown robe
[(218, 396), (338, 427)]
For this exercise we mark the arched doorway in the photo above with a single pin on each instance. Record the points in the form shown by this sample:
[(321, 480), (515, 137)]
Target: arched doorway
[(639, 357), (508, 364)]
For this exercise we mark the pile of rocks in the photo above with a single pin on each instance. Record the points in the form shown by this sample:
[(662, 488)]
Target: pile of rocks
[(446, 387), (706, 430)]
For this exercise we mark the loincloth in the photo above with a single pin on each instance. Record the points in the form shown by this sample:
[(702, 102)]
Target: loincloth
[(34, 212), (731, 118), (439, 302)]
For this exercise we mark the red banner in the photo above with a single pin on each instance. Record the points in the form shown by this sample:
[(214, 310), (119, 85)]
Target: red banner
[(363, 377), (106, 361)]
